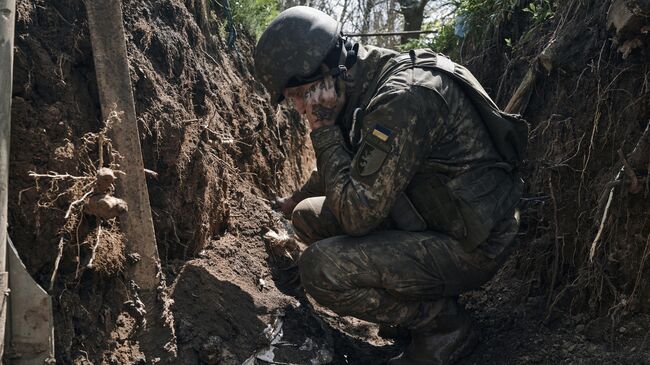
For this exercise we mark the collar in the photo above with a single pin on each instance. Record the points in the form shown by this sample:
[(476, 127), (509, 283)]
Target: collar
[(358, 79)]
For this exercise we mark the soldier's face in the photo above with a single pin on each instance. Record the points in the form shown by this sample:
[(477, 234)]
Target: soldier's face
[(319, 101), (296, 96)]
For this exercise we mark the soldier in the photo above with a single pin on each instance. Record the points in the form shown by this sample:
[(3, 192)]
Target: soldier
[(414, 199)]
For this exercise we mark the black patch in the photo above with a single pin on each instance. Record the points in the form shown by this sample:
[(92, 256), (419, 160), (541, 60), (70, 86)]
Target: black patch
[(371, 155)]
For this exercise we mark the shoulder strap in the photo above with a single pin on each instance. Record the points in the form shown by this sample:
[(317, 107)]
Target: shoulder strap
[(509, 132)]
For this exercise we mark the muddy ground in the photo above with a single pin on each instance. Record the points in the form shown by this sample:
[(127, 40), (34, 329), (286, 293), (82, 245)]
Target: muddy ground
[(222, 154)]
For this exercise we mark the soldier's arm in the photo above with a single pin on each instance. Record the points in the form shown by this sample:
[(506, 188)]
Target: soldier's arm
[(313, 187), (398, 130)]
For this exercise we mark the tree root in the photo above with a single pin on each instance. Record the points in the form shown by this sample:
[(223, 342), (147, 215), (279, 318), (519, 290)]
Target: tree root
[(94, 251), (75, 203), (640, 146), (56, 264), (634, 187), (91, 190)]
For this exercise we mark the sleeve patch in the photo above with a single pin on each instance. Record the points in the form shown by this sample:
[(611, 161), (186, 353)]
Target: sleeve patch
[(370, 158)]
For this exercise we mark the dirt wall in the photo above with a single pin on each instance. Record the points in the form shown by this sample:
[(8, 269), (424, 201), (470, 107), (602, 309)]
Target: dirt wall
[(587, 105), (205, 129)]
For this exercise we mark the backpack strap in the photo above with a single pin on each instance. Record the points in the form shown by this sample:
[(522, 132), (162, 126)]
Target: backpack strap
[(509, 132)]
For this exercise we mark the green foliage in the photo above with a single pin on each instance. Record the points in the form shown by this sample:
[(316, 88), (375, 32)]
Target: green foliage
[(479, 18), (480, 14), (540, 10), (253, 15), (445, 40)]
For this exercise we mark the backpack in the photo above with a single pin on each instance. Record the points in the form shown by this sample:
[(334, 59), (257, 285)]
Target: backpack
[(509, 132)]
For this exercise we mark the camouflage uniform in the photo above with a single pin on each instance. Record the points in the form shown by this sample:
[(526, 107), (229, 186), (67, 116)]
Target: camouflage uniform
[(410, 204)]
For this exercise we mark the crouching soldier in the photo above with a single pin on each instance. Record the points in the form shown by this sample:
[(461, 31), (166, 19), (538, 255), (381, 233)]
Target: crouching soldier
[(414, 198)]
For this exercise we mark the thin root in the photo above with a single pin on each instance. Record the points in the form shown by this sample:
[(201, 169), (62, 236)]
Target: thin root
[(75, 203), (629, 171), (94, 252), (56, 263)]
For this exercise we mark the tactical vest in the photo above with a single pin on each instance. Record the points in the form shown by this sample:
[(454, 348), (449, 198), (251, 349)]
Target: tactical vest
[(468, 206)]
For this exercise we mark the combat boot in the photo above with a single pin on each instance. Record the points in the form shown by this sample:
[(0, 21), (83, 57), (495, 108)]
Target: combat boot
[(452, 339)]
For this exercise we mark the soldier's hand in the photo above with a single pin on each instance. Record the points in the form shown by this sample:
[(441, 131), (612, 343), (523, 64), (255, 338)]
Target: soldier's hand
[(322, 103), (285, 205)]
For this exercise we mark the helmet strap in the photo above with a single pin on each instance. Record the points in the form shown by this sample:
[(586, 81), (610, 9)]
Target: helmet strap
[(347, 59)]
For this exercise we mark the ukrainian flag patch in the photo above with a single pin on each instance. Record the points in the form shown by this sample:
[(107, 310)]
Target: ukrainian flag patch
[(382, 133)]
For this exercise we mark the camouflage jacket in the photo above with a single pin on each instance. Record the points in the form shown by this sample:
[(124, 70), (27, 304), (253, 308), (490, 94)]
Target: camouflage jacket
[(413, 148)]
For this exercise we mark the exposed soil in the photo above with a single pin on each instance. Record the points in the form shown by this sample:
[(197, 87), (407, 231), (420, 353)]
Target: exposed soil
[(221, 153)]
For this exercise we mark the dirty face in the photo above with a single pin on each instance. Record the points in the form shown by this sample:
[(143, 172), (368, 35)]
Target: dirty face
[(319, 101)]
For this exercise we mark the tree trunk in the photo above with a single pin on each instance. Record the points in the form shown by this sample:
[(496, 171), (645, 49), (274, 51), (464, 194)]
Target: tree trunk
[(413, 12), (391, 17), (365, 18)]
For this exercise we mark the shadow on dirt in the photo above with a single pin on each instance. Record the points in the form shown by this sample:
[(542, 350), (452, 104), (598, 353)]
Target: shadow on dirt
[(216, 321)]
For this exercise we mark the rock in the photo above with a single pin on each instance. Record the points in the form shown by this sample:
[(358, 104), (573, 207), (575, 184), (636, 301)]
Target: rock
[(621, 18), (105, 178), (105, 206)]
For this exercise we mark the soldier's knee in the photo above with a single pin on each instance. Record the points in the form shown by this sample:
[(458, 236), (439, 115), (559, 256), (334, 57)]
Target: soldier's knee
[(318, 274), (300, 223), (312, 221)]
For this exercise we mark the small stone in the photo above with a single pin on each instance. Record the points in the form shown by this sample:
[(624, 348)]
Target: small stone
[(133, 258), (580, 328), (261, 284), (622, 330)]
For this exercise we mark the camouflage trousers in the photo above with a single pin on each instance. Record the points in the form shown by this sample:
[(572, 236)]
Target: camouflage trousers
[(390, 277)]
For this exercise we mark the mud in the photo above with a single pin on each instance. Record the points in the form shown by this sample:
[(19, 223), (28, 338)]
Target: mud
[(218, 154)]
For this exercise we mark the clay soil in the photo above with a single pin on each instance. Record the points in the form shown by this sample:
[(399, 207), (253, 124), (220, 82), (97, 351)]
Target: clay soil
[(221, 154)]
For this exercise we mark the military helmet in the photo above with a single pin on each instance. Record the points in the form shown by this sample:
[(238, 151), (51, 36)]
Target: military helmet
[(292, 48)]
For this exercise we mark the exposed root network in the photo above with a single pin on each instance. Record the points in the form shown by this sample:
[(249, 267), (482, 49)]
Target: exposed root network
[(90, 194)]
